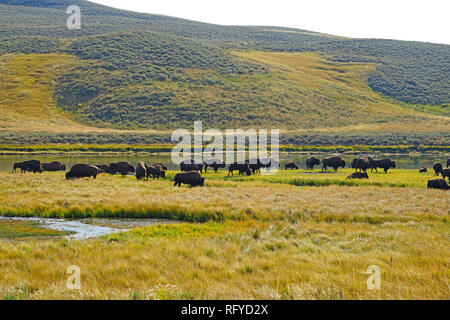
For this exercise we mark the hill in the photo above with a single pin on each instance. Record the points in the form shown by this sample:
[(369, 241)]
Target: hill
[(168, 72)]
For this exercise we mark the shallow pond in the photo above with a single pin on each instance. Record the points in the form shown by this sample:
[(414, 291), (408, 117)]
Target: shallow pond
[(89, 227)]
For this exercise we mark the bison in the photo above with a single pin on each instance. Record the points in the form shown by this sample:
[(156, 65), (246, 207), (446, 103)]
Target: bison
[(82, 170), (290, 165), (192, 178), (213, 163), (32, 165), (384, 164), (358, 175), (255, 165), (122, 167), (334, 162), (446, 173), (156, 171), (437, 167), (18, 165), (190, 165), (54, 166), (103, 167), (269, 163), (141, 171), (438, 184), (361, 164), (423, 169), (311, 162), (241, 167)]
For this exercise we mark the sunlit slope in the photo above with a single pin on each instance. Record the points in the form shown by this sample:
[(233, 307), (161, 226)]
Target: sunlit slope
[(27, 101), (320, 95), (298, 92)]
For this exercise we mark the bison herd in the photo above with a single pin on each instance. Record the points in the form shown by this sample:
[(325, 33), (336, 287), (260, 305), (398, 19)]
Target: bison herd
[(191, 171)]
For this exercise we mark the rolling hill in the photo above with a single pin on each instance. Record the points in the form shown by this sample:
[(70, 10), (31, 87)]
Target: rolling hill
[(140, 75)]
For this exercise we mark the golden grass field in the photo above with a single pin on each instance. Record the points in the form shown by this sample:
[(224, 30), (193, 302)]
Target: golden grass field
[(258, 240)]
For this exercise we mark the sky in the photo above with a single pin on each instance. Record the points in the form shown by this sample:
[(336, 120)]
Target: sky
[(427, 21)]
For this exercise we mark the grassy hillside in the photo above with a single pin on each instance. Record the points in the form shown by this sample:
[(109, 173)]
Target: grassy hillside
[(168, 72)]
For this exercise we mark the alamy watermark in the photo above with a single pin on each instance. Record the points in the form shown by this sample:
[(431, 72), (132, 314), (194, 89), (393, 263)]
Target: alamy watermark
[(233, 146), (374, 280), (74, 20), (74, 280)]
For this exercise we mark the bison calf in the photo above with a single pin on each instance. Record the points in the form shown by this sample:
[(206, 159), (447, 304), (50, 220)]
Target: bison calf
[(291, 165)]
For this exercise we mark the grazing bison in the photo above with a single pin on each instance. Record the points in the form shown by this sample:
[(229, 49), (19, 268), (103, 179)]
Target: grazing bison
[(18, 165), (437, 167), (311, 162), (361, 164), (82, 170), (103, 168), (141, 171), (358, 175), (269, 163), (334, 162), (423, 169), (255, 165), (214, 163), (32, 165), (438, 184), (53, 166), (384, 164), (446, 173), (192, 178), (241, 167), (190, 165), (122, 167), (290, 165), (156, 171)]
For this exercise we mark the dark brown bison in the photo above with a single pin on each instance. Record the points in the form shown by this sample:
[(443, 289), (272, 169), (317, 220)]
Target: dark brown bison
[(241, 167), (361, 164), (53, 166), (192, 178), (269, 163), (334, 162), (255, 165), (311, 162), (358, 175), (438, 184), (32, 165), (384, 164), (103, 167), (122, 167), (437, 167), (18, 165), (82, 170), (141, 171), (213, 163), (190, 165), (445, 173), (290, 165), (423, 169), (156, 171)]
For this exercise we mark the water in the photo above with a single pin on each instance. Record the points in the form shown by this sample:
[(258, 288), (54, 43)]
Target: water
[(90, 227), (402, 161)]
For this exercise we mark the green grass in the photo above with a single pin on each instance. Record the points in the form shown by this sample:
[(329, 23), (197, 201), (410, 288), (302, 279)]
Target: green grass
[(18, 229)]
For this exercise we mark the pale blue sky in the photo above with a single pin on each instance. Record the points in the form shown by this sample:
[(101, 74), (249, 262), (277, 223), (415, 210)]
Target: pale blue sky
[(392, 19)]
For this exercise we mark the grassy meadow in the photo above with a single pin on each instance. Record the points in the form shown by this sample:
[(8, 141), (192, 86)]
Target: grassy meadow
[(257, 237)]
